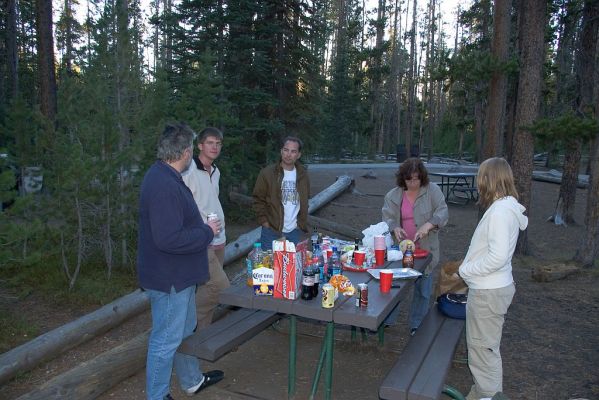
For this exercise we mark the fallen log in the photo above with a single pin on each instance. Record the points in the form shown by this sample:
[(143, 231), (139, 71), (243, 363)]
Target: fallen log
[(553, 272), (343, 230), (110, 369), (49, 345), (92, 378)]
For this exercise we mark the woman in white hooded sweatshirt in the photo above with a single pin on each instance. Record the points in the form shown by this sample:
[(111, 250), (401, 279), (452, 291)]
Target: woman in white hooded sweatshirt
[(487, 269)]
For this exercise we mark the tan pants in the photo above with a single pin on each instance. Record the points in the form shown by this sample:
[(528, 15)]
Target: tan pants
[(207, 295), (485, 314)]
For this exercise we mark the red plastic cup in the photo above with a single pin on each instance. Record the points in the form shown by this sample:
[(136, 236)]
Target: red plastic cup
[(359, 257), (379, 256), (385, 279)]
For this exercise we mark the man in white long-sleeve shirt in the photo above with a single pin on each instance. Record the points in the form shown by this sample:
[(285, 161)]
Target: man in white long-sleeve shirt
[(203, 178)]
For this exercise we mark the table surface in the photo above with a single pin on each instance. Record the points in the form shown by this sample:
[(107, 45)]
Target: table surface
[(454, 174), (344, 311)]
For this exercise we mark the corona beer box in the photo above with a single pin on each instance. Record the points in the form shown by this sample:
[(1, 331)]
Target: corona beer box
[(263, 281), (287, 264)]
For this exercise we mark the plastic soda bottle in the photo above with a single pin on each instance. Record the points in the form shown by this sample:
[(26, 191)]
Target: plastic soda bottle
[(253, 259)]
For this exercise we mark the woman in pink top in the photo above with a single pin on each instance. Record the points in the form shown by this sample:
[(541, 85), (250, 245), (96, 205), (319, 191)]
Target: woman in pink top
[(415, 210)]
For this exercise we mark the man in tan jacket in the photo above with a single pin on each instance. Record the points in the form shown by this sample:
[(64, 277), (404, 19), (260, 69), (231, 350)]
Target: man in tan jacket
[(202, 179)]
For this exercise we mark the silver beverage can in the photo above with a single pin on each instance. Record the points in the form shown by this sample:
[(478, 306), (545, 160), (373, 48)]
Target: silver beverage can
[(212, 217)]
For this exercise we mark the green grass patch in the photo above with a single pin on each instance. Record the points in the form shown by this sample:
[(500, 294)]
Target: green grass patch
[(48, 280), (14, 330)]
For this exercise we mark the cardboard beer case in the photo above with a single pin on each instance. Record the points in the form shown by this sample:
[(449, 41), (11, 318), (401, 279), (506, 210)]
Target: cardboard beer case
[(288, 260)]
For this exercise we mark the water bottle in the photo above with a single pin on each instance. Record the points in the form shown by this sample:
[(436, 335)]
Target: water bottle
[(252, 261), (319, 263), (336, 262), (316, 269)]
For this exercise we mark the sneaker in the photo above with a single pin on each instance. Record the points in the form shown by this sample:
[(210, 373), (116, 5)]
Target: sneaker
[(413, 331), (168, 397), (210, 378)]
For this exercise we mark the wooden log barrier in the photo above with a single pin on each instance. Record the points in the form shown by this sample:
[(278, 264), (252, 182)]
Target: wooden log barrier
[(92, 378), (52, 343), (110, 368)]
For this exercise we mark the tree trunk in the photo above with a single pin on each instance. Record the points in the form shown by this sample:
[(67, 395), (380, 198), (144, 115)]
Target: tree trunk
[(377, 104), (498, 84), (411, 89), (589, 248), (12, 57), (45, 50), (431, 90), (567, 191), (533, 16)]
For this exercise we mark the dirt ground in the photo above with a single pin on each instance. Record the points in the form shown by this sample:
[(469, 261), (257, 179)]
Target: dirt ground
[(550, 346)]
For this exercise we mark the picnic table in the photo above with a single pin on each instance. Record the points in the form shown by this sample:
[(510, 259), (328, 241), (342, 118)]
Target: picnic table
[(462, 182), (344, 312)]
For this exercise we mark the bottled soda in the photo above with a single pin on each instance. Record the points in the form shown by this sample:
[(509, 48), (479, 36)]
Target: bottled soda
[(307, 283), (253, 260), (408, 257)]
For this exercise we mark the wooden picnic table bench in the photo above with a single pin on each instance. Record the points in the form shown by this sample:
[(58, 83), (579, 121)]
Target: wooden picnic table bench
[(421, 370), (465, 194), (227, 333)]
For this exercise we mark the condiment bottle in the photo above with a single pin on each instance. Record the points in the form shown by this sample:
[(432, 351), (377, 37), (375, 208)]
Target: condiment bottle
[(408, 257)]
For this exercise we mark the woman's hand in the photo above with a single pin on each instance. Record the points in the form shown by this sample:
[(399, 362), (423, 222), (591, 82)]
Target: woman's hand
[(400, 234), (423, 231)]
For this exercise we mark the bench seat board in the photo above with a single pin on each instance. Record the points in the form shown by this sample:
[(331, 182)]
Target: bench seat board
[(433, 371), (227, 333), (421, 370)]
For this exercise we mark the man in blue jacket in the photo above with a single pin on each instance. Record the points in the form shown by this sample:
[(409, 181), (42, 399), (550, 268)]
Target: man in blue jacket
[(172, 262)]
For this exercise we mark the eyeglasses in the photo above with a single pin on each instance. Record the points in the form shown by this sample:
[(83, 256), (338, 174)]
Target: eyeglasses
[(417, 178)]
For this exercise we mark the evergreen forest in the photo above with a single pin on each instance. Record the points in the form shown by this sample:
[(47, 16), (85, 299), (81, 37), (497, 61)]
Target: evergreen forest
[(86, 87)]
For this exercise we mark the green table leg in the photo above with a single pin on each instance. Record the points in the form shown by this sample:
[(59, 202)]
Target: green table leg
[(353, 333), (453, 393), (329, 360), (381, 333), (292, 355), (316, 380), (364, 335)]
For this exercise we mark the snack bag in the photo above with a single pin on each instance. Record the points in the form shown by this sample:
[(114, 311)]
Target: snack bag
[(287, 264), (343, 285)]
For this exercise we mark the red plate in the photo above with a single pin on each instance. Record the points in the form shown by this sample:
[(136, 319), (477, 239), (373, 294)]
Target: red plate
[(420, 253)]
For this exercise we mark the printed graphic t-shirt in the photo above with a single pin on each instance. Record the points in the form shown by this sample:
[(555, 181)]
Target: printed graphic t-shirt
[(290, 199)]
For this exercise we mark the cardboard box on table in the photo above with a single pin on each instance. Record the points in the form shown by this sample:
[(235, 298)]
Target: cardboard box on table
[(288, 261)]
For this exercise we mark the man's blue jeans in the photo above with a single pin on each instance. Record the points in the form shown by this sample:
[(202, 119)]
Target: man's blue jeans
[(423, 288), (173, 319), (268, 235)]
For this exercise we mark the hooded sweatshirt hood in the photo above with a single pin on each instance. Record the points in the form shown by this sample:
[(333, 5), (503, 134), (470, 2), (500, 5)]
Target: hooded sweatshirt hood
[(488, 263)]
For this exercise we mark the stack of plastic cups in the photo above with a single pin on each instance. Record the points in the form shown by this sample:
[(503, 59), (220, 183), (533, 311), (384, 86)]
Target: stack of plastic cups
[(379, 250)]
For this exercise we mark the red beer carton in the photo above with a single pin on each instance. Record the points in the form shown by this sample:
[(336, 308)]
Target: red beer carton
[(287, 264)]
